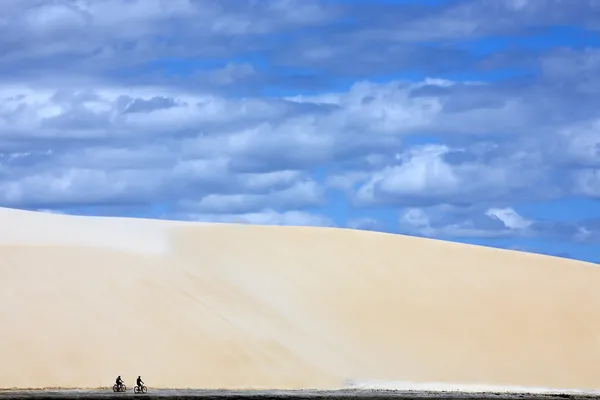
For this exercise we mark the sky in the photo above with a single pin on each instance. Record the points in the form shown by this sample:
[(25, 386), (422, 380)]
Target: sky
[(470, 121)]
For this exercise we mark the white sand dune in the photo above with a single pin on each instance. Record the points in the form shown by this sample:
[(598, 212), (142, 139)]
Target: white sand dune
[(236, 306)]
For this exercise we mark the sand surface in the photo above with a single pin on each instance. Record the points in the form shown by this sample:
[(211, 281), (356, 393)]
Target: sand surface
[(83, 299)]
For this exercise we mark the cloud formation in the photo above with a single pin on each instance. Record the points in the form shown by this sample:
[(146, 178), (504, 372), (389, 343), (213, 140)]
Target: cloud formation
[(441, 120)]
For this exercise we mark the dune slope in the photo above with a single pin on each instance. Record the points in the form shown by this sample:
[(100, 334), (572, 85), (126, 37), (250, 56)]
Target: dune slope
[(232, 306)]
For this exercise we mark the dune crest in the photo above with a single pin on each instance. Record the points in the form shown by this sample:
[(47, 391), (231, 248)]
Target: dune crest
[(236, 306)]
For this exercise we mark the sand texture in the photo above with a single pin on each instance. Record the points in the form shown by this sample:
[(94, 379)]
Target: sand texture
[(236, 306)]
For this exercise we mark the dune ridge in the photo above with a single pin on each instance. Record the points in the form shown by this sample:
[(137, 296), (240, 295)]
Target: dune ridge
[(194, 305)]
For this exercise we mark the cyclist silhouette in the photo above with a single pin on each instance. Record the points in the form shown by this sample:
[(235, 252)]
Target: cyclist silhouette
[(139, 381), (119, 381)]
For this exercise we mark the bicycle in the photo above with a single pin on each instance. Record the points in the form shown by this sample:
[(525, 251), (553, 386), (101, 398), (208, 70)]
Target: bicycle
[(140, 389), (119, 388)]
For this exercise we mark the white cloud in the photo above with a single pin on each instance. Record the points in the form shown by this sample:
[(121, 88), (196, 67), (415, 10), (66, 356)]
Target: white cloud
[(80, 186), (305, 193), (188, 144), (509, 217), (424, 174), (379, 108), (450, 222), (263, 217), (87, 119), (98, 35), (447, 221)]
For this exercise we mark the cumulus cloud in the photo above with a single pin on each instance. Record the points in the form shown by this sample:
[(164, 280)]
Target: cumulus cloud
[(126, 145), (104, 36), (432, 174), (450, 222), (119, 106)]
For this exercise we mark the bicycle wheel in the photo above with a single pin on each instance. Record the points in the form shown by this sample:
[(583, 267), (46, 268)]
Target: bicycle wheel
[(115, 388), (144, 389)]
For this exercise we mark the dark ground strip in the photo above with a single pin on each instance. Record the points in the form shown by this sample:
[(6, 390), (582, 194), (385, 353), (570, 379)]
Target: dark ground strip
[(362, 394)]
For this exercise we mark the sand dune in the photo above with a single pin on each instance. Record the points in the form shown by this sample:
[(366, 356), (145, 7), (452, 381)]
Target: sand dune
[(234, 306)]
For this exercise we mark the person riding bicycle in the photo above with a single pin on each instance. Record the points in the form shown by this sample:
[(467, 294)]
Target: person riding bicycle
[(140, 383), (119, 381)]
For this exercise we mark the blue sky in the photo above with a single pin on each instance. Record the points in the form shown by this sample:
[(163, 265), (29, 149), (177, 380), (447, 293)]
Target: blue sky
[(472, 121)]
